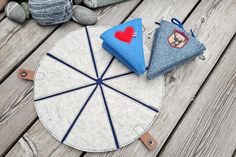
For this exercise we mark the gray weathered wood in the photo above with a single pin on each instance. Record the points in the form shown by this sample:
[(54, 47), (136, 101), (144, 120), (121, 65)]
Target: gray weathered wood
[(215, 34), (209, 127), (8, 29), (28, 144), (13, 90), (41, 145), (2, 16), (19, 43)]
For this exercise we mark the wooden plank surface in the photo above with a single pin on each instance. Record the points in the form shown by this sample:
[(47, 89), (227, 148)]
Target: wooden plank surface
[(41, 145), (8, 29), (179, 93), (2, 16), (209, 29), (25, 87), (209, 127), (12, 103), (19, 43)]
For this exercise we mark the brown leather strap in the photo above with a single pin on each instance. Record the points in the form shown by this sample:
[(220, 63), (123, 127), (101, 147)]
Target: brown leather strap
[(148, 141), (26, 74)]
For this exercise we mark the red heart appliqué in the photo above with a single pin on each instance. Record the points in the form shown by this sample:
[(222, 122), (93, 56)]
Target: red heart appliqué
[(125, 36)]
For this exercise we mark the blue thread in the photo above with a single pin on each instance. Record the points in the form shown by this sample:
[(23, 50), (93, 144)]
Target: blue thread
[(192, 33), (99, 81), (180, 25), (109, 78), (59, 60), (107, 67), (150, 107), (109, 118), (116, 76), (81, 110), (67, 91), (177, 22), (91, 51)]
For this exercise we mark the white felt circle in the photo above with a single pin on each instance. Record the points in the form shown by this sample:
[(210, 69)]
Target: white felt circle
[(90, 101)]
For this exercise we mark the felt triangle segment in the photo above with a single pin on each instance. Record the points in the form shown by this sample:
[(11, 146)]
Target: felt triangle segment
[(74, 50), (101, 57), (54, 77), (61, 110), (93, 121), (129, 53), (140, 88), (166, 55), (127, 116)]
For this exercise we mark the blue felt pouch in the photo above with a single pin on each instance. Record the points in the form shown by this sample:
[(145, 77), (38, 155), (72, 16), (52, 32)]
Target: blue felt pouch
[(172, 46), (125, 42)]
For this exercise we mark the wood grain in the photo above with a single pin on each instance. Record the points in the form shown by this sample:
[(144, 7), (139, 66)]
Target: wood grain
[(188, 78), (20, 41), (2, 16), (13, 90), (209, 127)]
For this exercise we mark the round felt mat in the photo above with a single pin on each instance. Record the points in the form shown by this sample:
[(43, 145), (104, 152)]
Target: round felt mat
[(89, 100)]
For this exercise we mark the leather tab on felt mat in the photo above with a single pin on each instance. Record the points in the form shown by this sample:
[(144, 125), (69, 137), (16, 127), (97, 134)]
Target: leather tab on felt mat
[(125, 42), (172, 46), (26, 74), (148, 141)]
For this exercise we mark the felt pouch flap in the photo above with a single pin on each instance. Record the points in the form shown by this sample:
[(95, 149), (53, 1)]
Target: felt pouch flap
[(171, 46), (125, 42)]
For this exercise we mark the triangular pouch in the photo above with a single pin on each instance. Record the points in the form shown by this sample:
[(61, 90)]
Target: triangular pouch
[(172, 46), (125, 42)]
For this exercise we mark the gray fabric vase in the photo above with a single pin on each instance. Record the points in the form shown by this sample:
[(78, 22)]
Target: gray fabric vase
[(100, 3), (51, 12)]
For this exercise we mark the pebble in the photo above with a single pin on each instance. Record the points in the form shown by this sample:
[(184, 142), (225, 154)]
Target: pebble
[(84, 16), (25, 6), (15, 12), (100, 3), (76, 2), (51, 12)]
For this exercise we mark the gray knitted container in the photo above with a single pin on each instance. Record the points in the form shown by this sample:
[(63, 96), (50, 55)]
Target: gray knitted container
[(51, 12)]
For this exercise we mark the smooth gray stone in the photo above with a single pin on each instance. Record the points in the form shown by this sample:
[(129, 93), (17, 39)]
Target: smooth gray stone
[(51, 12), (15, 12), (100, 3), (84, 16), (25, 6), (76, 2)]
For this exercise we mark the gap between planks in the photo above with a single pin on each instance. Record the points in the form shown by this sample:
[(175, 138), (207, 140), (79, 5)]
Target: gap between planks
[(195, 97), (191, 75), (217, 109)]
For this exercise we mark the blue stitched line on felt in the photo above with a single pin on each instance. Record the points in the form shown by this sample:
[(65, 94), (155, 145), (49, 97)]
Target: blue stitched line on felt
[(112, 77), (107, 67), (109, 78), (150, 107), (91, 51), (109, 118), (59, 60), (76, 118), (67, 91)]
